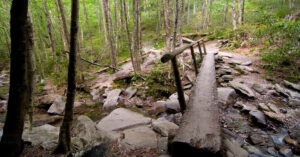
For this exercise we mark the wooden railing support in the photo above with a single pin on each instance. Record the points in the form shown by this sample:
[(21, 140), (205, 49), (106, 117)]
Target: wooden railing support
[(204, 48), (194, 60), (180, 93)]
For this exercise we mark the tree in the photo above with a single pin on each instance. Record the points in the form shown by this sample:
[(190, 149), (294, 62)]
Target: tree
[(181, 12), (62, 13), (167, 24), (241, 11), (135, 36), (64, 142), (233, 16), (88, 26), (109, 31), (19, 89), (188, 12)]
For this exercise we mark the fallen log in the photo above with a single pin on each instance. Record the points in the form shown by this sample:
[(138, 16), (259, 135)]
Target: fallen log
[(195, 34), (199, 131)]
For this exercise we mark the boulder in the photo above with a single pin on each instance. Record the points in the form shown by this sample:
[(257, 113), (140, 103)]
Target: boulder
[(175, 97), (46, 136), (226, 96), (246, 68), (275, 116), (47, 100), (292, 85), (58, 106), (286, 151), (238, 62), (227, 78), (242, 88), (130, 92), (162, 145), (85, 130), (172, 106), (95, 94), (259, 89), (120, 119), (112, 100), (157, 108), (247, 63), (233, 149), (263, 107), (257, 139), (294, 102), (258, 117), (255, 151), (141, 137), (165, 128), (281, 90), (273, 108)]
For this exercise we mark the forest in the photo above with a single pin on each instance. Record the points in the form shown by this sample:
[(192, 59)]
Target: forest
[(147, 77)]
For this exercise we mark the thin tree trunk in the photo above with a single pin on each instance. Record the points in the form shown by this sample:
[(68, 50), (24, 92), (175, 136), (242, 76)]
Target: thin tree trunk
[(135, 36), (99, 18), (167, 24), (110, 36), (88, 26), (225, 13), (139, 31), (19, 92), (50, 29), (103, 21), (233, 16), (62, 13), (204, 14), (241, 11), (194, 9), (158, 16), (116, 29), (188, 12), (64, 142), (175, 25), (181, 13), (60, 25)]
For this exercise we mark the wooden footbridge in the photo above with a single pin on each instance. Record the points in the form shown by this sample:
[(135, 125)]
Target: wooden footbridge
[(199, 132)]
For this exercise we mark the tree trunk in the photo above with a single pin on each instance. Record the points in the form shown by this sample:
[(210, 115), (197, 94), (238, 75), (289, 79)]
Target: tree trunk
[(233, 16), (19, 92), (167, 24), (135, 37), (194, 9), (188, 12), (175, 25), (116, 29), (110, 36), (64, 142), (88, 27), (158, 16), (139, 31), (99, 18), (60, 25), (50, 29), (204, 14), (225, 13), (241, 11), (181, 13), (103, 21), (62, 13)]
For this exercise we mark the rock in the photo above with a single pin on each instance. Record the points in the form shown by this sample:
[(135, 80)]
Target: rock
[(177, 118), (130, 92), (172, 106), (273, 93), (272, 151), (259, 89), (85, 130), (101, 149), (112, 100), (165, 128), (233, 148), (258, 117), (253, 150), (3, 106), (278, 139), (294, 102), (95, 94), (47, 100), (281, 90), (290, 141), (58, 106), (263, 107), (46, 136), (248, 107), (41, 119), (242, 88), (238, 105), (295, 133), (120, 119), (238, 62), (247, 63), (227, 78), (273, 108), (257, 139), (157, 108), (226, 96), (188, 86), (246, 68), (225, 71), (278, 117), (123, 74), (175, 97), (162, 145), (141, 137), (291, 85), (286, 151)]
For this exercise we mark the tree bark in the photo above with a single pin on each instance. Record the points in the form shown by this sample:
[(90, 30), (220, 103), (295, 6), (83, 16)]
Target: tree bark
[(19, 92), (135, 37), (64, 143), (139, 30), (204, 14), (225, 13), (116, 29), (60, 25), (88, 26), (62, 13), (175, 25), (109, 30), (241, 11), (181, 13), (233, 16), (167, 24), (103, 21), (188, 12)]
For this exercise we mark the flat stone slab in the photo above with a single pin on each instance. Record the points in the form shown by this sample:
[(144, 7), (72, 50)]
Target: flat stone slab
[(112, 99), (141, 137), (118, 120)]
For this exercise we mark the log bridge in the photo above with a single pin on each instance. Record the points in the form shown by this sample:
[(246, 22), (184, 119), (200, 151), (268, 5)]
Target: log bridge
[(199, 131)]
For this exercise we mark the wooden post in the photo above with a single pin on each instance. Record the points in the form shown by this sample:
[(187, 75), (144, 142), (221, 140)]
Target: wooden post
[(178, 85), (194, 60), (204, 48), (199, 47)]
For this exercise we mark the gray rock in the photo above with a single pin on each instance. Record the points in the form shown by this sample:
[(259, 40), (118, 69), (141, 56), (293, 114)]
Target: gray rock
[(112, 100), (258, 117), (225, 71), (259, 89), (58, 106), (47, 100), (238, 62), (233, 149), (286, 151), (120, 119), (162, 145), (255, 151), (294, 102), (257, 139), (277, 140), (273, 93), (46, 136), (85, 130), (272, 151), (172, 106), (295, 133), (165, 128), (227, 78), (281, 90), (247, 63), (175, 97), (141, 137), (263, 107), (273, 108), (242, 88), (130, 92), (275, 116), (226, 96), (95, 94), (291, 85)]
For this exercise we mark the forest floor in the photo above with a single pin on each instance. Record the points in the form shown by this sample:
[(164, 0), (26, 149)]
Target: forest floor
[(257, 117)]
